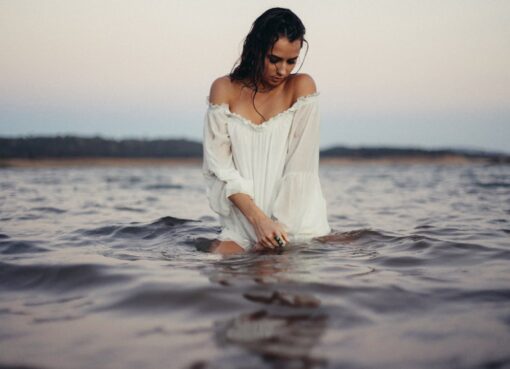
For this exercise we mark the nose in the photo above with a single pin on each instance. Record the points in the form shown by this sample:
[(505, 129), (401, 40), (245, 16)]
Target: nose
[(280, 70)]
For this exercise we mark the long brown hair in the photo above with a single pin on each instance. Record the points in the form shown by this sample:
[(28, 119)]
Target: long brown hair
[(265, 31)]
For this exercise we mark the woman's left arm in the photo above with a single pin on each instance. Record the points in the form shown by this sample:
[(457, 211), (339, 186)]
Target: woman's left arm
[(299, 203)]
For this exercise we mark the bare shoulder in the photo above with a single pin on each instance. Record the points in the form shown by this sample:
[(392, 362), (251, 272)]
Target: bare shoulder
[(303, 85), (221, 90)]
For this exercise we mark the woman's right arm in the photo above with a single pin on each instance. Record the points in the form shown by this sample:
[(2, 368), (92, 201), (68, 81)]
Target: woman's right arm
[(265, 228)]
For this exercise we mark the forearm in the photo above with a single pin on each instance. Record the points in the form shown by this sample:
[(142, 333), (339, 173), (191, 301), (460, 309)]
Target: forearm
[(248, 207), (265, 228)]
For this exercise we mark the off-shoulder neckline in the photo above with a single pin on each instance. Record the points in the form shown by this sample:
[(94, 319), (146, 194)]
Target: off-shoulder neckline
[(299, 101)]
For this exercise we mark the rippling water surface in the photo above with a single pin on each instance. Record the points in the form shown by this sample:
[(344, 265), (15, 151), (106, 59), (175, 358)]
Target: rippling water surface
[(105, 268)]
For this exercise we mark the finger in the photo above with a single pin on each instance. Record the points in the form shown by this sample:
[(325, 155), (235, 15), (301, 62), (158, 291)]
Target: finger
[(281, 239), (274, 242), (266, 244), (283, 236), (263, 243)]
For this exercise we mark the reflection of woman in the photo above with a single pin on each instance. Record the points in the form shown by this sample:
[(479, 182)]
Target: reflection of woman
[(261, 143)]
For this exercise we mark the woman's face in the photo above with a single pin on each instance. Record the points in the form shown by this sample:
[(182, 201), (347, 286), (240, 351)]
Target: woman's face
[(280, 61)]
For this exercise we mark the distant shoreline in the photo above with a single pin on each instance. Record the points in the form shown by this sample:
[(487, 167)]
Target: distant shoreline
[(75, 151), (97, 162), (135, 162)]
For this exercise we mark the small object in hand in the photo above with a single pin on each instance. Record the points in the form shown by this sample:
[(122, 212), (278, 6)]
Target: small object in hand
[(279, 240)]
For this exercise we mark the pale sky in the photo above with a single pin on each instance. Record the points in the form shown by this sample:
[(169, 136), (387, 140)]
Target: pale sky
[(432, 74)]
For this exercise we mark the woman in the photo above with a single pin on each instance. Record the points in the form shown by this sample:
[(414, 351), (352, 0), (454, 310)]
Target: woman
[(261, 143)]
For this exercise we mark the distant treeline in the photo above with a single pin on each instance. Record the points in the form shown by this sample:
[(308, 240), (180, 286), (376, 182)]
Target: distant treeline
[(388, 152), (98, 147)]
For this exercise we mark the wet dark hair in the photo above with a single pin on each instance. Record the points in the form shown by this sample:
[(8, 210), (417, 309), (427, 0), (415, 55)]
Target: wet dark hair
[(265, 31)]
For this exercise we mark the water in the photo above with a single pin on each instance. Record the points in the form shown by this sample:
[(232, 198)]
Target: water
[(105, 268)]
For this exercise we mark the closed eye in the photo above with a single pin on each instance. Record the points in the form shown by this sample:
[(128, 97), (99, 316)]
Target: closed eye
[(273, 60)]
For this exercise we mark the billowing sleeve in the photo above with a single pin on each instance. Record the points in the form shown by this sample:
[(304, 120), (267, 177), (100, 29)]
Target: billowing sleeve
[(299, 204), (220, 174)]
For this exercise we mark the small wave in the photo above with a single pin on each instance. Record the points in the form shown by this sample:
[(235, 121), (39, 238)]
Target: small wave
[(127, 208), (145, 231), (418, 249), (399, 261), (130, 179), (447, 252), (57, 301), (492, 184), (170, 221), (414, 242), (101, 231), (501, 295), (56, 277), (498, 221), (63, 318), (163, 186), (297, 300), (424, 226), (393, 299), (49, 209), (29, 217), (156, 298), (11, 247), (337, 237), (46, 180), (7, 186), (490, 295)]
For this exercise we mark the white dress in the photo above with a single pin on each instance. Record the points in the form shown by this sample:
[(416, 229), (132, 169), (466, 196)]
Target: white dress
[(276, 163)]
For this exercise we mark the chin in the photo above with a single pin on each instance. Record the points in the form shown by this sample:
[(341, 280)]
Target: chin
[(272, 82)]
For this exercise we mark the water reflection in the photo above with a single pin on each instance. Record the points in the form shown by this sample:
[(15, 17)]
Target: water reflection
[(284, 332), (248, 268), (282, 340)]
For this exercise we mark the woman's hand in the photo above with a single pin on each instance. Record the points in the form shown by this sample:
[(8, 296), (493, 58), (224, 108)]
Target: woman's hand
[(266, 230)]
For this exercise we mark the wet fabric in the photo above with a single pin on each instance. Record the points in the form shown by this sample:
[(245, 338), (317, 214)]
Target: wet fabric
[(276, 163)]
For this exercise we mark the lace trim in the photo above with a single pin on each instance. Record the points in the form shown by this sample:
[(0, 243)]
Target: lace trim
[(300, 101)]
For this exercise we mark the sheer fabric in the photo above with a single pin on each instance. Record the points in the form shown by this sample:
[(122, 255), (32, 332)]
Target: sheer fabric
[(276, 163)]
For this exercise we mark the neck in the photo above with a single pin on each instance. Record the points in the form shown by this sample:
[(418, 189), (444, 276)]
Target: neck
[(267, 88), (264, 88)]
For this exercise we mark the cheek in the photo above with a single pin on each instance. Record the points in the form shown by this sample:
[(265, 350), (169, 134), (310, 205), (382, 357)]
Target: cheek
[(268, 67)]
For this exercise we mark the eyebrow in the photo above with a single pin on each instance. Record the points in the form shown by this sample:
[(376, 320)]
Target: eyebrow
[(278, 57)]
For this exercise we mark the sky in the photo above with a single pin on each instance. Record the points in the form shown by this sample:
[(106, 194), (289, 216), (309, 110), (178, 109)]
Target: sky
[(429, 74)]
